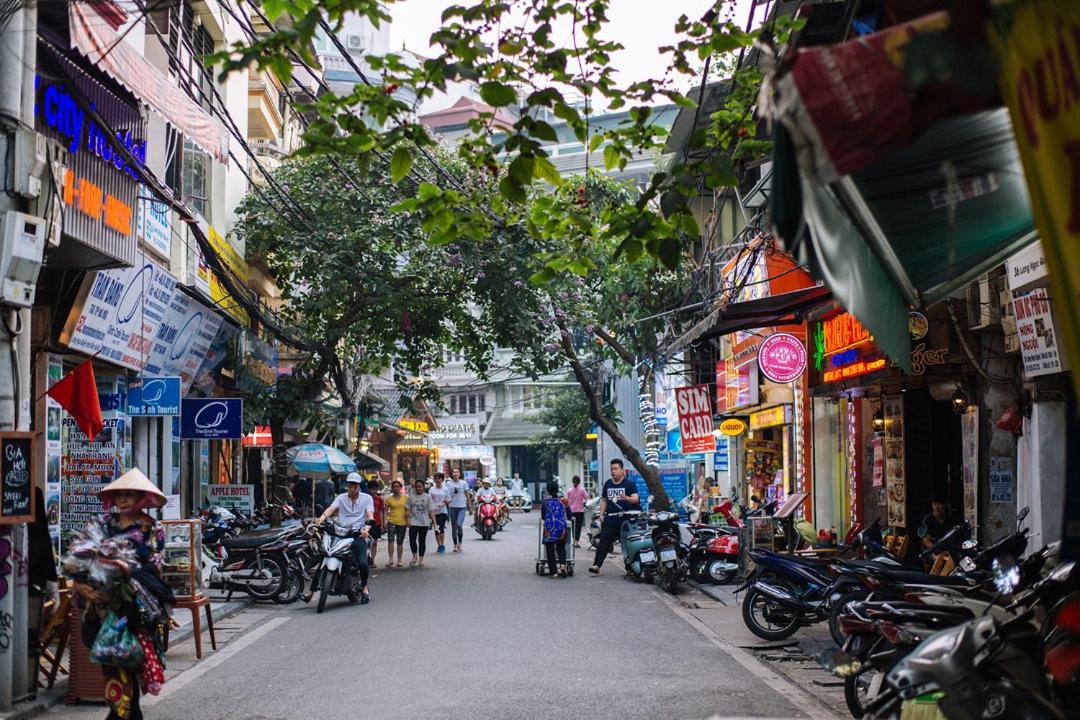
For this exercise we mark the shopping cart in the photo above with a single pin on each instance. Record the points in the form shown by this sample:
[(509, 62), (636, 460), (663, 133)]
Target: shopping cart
[(541, 556)]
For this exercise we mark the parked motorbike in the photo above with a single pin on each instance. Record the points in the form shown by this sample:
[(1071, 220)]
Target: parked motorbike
[(335, 574), (487, 523), (714, 557), (253, 563), (636, 543), (671, 567)]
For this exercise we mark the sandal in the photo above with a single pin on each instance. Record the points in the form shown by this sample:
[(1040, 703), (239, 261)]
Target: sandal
[(399, 565), (594, 570)]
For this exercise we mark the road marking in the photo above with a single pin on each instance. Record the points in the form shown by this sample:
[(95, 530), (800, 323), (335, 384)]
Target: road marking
[(195, 672), (788, 690)]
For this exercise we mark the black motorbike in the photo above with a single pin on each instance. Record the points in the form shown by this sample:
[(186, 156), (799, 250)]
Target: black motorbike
[(671, 553)]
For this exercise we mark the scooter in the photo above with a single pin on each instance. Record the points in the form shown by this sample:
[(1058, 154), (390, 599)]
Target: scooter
[(671, 565), (488, 521), (335, 577), (254, 563), (714, 557), (636, 542)]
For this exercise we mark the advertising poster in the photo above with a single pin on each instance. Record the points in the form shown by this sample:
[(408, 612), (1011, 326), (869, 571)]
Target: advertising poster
[(53, 430), (86, 466), (969, 448), (878, 446), (895, 474), (1001, 480), (1039, 346), (695, 418)]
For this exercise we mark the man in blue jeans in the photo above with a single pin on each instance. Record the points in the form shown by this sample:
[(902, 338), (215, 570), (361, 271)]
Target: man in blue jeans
[(619, 494), (459, 505)]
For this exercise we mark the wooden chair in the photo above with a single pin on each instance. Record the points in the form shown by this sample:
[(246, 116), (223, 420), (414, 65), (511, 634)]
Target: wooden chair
[(56, 628), (943, 564), (193, 604)]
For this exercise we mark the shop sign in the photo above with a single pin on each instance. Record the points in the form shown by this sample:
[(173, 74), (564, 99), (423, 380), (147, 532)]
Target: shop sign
[(695, 418), (17, 454), (487, 460), (1001, 480), (732, 426), (782, 357), (237, 266), (153, 396), (720, 457), (1027, 268), (779, 415), (1039, 345), (237, 498), (917, 325), (674, 441), (466, 452), (456, 433), (153, 224), (262, 437), (97, 204), (118, 313), (878, 447), (183, 339), (212, 418)]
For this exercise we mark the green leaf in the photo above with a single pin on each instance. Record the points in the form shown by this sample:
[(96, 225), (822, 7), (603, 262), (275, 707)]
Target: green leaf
[(542, 277), (400, 164), (669, 252), (521, 169), (545, 170), (595, 141), (543, 131), (497, 94), (611, 157), (512, 190), (671, 202)]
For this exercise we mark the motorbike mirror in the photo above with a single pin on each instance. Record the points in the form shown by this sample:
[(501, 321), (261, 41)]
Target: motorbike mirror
[(1022, 515), (1006, 574), (967, 564), (968, 545)]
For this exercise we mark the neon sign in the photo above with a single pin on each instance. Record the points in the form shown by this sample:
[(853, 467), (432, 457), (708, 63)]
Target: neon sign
[(843, 332), (60, 112), (90, 200)]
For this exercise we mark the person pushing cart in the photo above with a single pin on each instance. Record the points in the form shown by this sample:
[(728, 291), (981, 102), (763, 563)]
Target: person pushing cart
[(555, 547)]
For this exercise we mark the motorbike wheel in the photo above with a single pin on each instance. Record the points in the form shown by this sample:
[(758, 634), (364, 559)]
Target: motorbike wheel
[(858, 689), (294, 588), (669, 580), (766, 618), (834, 615), (325, 581), (279, 573), (717, 577)]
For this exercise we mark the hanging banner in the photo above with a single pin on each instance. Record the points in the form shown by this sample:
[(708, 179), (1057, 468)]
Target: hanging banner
[(118, 313), (878, 448), (695, 418), (1036, 42), (182, 339)]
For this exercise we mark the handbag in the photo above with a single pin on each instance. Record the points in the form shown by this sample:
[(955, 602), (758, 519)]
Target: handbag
[(116, 645)]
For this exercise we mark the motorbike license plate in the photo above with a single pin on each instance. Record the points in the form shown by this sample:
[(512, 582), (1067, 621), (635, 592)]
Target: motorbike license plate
[(648, 557), (667, 554)]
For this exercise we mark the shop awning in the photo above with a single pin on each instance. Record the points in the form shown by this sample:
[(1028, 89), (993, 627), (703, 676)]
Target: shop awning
[(94, 37), (369, 461), (784, 309), (914, 227)]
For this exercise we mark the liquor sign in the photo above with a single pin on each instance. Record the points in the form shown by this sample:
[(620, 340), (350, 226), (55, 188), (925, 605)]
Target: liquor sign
[(118, 313), (695, 418), (153, 396), (732, 427), (782, 357)]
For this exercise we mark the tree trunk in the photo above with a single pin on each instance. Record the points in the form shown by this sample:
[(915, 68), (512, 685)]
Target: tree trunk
[(279, 483), (649, 472)]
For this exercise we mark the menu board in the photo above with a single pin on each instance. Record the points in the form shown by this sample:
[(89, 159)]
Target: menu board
[(16, 477), (895, 477), (118, 313), (87, 465)]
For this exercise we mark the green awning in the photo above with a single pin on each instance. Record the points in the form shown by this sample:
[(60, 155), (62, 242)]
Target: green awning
[(913, 228)]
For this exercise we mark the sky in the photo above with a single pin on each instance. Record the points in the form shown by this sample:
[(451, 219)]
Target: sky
[(642, 26)]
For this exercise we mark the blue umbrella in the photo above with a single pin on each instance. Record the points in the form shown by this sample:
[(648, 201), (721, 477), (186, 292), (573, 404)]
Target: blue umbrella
[(315, 458)]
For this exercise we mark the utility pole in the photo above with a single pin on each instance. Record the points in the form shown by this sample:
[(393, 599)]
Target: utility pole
[(18, 61)]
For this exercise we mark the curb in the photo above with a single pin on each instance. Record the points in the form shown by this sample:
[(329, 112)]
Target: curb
[(47, 699), (719, 593)]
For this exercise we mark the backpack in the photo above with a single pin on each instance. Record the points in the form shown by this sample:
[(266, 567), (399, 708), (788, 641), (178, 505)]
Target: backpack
[(554, 520)]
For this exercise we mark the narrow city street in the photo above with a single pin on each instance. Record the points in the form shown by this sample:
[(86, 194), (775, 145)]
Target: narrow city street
[(476, 636)]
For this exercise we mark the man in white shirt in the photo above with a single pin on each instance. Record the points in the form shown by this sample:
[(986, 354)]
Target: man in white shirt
[(440, 506), (354, 509)]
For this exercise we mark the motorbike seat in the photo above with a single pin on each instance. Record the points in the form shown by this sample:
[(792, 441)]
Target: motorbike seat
[(252, 540), (917, 577)]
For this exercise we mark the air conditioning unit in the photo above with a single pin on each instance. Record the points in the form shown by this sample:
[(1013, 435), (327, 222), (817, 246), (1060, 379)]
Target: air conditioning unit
[(982, 300), (354, 42)]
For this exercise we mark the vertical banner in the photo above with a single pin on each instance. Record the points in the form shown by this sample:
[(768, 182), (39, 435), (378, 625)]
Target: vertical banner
[(895, 474), (1036, 42), (53, 430), (969, 448), (695, 418)]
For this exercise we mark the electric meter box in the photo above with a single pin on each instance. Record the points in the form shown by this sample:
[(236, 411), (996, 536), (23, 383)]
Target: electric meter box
[(22, 250)]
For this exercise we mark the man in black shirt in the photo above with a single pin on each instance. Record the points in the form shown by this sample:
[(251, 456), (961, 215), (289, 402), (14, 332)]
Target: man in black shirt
[(619, 494), (937, 523)]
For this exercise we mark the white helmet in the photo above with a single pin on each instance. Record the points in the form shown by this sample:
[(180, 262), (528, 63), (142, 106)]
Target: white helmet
[(354, 477)]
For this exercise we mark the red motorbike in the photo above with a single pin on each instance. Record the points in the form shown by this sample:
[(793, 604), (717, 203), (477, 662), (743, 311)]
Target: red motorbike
[(714, 557), (487, 519)]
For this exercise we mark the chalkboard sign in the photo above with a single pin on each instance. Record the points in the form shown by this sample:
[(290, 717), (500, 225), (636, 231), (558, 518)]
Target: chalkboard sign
[(16, 477)]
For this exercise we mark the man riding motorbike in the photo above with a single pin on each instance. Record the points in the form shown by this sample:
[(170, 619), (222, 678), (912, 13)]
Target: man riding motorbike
[(354, 509)]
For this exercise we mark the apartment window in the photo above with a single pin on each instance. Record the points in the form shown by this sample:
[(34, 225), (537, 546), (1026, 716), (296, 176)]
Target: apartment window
[(532, 398), (472, 404), (189, 44), (453, 405)]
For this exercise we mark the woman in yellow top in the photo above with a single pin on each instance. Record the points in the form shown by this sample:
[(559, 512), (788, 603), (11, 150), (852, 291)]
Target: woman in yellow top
[(397, 522)]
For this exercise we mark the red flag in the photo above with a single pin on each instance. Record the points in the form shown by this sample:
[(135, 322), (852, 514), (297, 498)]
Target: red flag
[(77, 393)]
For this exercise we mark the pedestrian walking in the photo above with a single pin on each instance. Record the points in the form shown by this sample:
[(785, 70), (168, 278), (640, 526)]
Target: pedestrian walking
[(440, 506), (576, 497), (115, 567), (459, 505), (378, 520), (397, 522), (421, 518), (553, 515), (619, 494)]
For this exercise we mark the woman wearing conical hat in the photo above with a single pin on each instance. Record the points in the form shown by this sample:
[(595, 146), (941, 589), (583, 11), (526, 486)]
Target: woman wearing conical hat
[(147, 602)]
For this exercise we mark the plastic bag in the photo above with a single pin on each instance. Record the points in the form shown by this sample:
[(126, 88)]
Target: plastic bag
[(116, 644)]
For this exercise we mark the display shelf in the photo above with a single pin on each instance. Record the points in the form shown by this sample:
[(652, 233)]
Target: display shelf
[(182, 557)]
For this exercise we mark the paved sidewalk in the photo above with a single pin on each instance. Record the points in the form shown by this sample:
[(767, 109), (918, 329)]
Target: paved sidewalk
[(796, 657)]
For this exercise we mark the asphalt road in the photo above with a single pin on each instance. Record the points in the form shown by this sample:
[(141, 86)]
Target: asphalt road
[(474, 636)]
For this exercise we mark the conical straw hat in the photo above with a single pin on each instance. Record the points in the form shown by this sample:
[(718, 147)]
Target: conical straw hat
[(135, 480)]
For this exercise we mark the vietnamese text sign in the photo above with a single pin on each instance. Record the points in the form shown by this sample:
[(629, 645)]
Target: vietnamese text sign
[(86, 466), (16, 477), (153, 223), (1001, 480), (1035, 327), (182, 340), (153, 396), (695, 418), (237, 498), (211, 418), (119, 313)]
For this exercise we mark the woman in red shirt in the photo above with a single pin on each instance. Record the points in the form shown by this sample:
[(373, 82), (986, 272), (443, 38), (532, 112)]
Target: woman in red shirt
[(377, 523)]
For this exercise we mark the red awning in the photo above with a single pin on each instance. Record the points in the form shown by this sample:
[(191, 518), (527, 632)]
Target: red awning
[(784, 309), (93, 36)]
